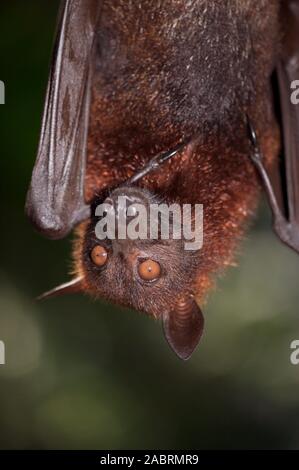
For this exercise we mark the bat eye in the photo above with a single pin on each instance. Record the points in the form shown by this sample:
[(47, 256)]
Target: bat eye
[(149, 270), (99, 255)]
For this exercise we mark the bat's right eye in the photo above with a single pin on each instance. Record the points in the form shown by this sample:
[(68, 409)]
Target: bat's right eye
[(149, 270), (99, 255)]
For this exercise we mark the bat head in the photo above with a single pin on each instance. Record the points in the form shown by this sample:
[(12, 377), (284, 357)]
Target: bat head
[(131, 254), (127, 256)]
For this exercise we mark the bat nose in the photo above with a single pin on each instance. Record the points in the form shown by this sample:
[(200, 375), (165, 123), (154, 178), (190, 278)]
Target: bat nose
[(119, 248)]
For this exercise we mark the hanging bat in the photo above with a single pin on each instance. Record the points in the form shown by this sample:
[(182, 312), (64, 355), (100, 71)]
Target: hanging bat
[(173, 101)]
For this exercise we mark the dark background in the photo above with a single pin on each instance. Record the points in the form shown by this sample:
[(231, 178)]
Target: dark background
[(83, 374)]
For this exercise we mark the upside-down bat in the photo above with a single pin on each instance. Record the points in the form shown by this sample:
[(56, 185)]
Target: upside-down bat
[(181, 101)]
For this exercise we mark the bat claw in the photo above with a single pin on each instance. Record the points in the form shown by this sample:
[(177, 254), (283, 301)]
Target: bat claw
[(252, 133), (256, 156)]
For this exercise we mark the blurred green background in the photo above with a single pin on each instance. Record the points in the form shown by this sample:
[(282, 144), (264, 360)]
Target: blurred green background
[(84, 374)]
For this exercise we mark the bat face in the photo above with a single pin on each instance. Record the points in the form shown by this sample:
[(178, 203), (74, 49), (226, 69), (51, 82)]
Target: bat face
[(151, 275), (128, 80), (139, 273)]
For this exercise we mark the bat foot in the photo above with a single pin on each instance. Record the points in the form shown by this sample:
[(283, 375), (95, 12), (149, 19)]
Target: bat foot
[(286, 229)]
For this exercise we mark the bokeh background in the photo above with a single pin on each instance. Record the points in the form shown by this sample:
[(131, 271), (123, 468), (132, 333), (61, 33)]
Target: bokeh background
[(83, 374)]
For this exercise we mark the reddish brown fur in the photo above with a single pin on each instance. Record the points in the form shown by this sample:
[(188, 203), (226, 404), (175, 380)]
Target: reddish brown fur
[(175, 69)]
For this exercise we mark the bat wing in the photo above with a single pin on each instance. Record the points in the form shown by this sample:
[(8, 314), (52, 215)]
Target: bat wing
[(288, 73), (55, 200), (282, 186)]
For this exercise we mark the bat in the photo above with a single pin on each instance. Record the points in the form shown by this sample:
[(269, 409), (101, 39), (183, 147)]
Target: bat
[(175, 102)]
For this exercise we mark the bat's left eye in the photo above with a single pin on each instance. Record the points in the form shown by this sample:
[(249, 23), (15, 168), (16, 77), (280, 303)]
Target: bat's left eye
[(149, 270), (99, 255)]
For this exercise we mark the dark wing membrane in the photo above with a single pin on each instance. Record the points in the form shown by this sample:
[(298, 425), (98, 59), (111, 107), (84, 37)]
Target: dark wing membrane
[(288, 73), (55, 200)]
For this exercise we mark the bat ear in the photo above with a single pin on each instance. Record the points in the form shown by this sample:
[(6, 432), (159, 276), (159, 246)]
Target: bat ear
[(72, 287), (183, 327)]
